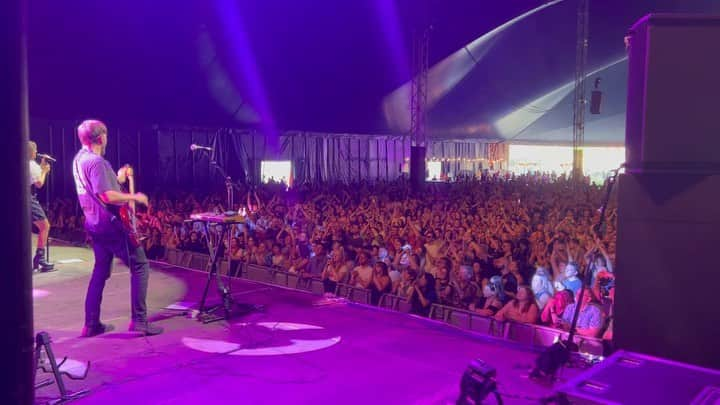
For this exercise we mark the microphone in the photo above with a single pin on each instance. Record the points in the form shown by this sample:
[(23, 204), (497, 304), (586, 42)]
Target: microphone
[(47, 157), (194, 147)]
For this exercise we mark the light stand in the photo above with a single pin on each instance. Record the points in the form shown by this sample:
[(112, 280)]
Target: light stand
[(558, 354)]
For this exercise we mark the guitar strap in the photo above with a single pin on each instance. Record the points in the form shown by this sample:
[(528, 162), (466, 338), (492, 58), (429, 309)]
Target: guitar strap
[(82, 178), (113, 217)]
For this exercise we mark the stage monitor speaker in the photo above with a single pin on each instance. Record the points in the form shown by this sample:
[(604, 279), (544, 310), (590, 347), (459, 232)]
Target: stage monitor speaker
[(417, 167), (668, 280), (673, 85), (635, 379)]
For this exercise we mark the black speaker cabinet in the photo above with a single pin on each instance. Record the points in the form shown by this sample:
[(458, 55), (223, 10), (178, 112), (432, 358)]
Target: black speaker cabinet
[(417, 167), (673, 115), (667, 300)]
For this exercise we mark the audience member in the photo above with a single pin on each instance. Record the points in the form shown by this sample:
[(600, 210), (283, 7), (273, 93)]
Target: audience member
[(521, 309), (380, 283), (590, 319), (423, 295), (555, 307), (481, 239)]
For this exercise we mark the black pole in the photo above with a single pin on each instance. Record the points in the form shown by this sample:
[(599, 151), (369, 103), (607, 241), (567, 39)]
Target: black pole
[(47, 209), (599, 231), (47, 193), (16, 339), (559, 353)]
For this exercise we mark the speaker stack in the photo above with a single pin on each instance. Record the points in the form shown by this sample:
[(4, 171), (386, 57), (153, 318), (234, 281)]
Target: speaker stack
[(667, 302), (417, 167)]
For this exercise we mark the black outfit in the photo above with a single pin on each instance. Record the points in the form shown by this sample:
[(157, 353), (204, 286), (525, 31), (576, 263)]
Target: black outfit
[(156, 250), (510, 284), (235, 269), (487, 270), (480, 303), (36, 211), (375, 294), (317, 264), (315, 267), (197, 247), (329, 286), (38, 214), (93, 176), (416, 306)]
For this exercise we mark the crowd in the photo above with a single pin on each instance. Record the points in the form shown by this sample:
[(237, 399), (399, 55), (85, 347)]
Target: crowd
[(515, 248), (66, 220)]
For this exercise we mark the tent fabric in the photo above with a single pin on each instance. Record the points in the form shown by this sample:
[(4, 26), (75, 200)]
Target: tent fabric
[(164, 161), (515, 83), (331, 67)]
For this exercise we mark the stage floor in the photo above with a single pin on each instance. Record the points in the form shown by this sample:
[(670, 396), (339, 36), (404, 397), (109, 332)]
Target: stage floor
[(293, 352)]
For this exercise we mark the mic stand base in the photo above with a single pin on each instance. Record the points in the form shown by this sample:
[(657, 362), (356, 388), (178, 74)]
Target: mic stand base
[(227, 310)]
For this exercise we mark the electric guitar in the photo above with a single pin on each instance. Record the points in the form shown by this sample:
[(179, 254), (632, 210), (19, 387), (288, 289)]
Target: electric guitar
[(128, 213)]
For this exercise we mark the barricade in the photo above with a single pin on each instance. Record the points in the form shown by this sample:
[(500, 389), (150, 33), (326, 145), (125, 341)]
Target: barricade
[(531, 335)]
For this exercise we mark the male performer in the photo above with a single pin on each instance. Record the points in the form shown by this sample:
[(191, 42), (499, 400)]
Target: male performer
[(100, 196), (38, 174)]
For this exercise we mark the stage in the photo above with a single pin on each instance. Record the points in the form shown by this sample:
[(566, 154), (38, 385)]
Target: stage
[(295, 351)]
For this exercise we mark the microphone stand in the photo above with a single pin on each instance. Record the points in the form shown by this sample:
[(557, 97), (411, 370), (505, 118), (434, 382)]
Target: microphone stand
[(47, 204), (225, 292), (229, 191), (598, 229), (47, 211), (559, 353), (229, 187)]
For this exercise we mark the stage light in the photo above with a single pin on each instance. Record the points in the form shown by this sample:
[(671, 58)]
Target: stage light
[(477, 383), (551, 360)]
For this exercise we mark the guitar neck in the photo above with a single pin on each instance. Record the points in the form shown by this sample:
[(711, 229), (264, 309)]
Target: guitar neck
[(131, 189), (131, 203)]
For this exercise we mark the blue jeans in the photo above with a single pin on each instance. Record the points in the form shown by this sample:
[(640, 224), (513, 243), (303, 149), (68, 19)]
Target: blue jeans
[(105, 247)]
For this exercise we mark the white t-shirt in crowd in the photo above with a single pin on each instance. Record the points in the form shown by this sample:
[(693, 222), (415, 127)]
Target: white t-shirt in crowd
[(394, 276), (364, 274)]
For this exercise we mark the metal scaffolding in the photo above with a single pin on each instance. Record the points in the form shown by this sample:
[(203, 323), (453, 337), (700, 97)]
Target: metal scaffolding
[(418, 91), (579, 100)]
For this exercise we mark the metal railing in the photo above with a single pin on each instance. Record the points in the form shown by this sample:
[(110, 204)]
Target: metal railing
[(528, 334)]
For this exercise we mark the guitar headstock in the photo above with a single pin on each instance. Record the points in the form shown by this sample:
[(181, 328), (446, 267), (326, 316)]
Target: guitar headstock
[(129, 171), (129, 174)]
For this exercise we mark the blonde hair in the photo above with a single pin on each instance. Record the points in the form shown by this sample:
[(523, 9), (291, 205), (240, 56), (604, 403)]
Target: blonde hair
[(32, 147)]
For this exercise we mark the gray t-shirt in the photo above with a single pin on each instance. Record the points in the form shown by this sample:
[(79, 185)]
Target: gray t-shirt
[(93, 176)]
